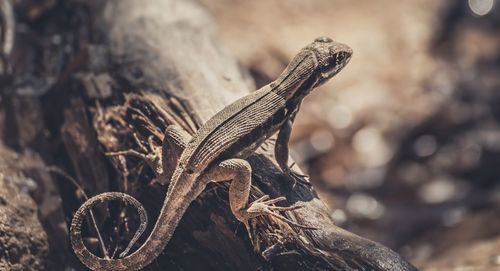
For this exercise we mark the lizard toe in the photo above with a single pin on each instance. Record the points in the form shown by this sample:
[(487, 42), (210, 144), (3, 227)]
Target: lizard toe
[(266, 207)]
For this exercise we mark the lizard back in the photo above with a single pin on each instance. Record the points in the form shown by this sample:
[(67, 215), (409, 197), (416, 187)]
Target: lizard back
[(249, 120), (227, 126)]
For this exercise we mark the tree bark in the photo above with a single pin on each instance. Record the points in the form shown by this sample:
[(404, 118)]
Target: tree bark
[(137, 67)]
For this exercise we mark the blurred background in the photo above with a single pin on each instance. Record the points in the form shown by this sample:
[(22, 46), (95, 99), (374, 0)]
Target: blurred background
[(404, 143)]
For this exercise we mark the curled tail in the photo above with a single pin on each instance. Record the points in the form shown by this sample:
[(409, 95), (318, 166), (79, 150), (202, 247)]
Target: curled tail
[(90, 260), (154, 245)]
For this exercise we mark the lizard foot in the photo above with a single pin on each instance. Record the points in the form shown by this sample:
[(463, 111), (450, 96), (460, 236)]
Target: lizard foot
[(150, 154), (264, 206), (296, 177)]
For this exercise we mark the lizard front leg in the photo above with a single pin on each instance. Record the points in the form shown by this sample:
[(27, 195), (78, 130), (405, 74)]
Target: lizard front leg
[(174, 143), (239, 173), (281, 149)]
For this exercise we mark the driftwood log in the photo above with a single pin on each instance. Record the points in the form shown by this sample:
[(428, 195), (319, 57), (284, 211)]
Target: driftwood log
[(129, 69)]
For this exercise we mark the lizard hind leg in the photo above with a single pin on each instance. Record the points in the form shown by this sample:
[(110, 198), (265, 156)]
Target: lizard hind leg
[(164, 161), (150, 154), (239, 173), (174, 143)]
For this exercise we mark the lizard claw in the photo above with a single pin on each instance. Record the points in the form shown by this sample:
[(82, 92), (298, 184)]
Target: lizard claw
[(264, 206), (148, 153), (297, 177)]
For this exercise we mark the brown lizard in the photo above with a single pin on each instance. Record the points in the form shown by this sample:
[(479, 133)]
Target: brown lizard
[(216, 152)]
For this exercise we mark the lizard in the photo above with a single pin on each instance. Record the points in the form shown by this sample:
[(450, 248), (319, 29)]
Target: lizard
[(216, 153)]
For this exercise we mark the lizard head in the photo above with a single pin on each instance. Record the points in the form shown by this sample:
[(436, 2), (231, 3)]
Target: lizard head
[(331, 57), (311, 67)]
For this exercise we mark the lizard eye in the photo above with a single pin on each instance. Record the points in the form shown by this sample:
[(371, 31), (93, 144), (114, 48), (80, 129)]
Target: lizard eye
[(340, 54), (340, 58), (335, 64)]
